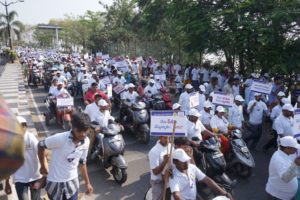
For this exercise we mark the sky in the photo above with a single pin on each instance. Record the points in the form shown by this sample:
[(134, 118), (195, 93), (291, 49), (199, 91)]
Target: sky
[(34, 12)]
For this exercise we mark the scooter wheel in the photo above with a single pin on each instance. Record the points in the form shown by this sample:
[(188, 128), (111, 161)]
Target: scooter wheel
[(243, 170), (119, 174), (145, 137)]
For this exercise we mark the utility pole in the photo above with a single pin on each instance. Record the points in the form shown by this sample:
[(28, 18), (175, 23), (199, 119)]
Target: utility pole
[(5, 4)]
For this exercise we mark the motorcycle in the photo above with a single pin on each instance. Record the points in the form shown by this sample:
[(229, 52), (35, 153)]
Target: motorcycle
[(211, 161), (62, 113), (109, 147), (239, 157), (136, 121)]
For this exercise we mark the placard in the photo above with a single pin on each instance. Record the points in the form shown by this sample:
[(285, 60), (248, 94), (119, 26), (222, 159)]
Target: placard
[(64, 102), (105, 56), (222, 99), (194, 99), (296, 123), (109, 90), (161, 77), (261, 87), (162, 123), (119, 88), (106, 80)]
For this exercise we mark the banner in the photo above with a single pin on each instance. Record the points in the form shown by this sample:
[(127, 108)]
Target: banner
[(296, 123), (162, 123), (194, 99), (119, 88), (222, 99), (261, 87)]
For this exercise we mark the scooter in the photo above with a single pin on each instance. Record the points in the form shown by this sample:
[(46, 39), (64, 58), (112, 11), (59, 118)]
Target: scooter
[(211, 161), (54, 110), (239, 157), (136, 121), (109, 147)]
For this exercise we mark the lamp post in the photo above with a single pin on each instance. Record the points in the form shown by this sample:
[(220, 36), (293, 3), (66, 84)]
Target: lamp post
[(5, 4)]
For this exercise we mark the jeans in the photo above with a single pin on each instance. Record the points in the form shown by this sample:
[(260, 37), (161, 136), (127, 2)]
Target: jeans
[(256, 132), (74, 197), (22, 191)]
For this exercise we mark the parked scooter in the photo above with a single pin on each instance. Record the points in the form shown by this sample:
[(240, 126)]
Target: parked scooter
[(109, 147), (211, 161), (239, 157), (136, 121)]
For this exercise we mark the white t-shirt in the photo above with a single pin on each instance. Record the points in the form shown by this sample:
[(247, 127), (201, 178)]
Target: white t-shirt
[(103, 118), (65, 156), (195, 73), (178, 81), (219, 123), (184, 183), (256, 116), (205, 117), (235, 115), (205, 75), (284, 126), (118, 80), (184, 101), (202, 99), (29, 171), (92, 110), (130, 96), (195, 130), (150, 90), (156, 157), (279, 164), (57, 92)]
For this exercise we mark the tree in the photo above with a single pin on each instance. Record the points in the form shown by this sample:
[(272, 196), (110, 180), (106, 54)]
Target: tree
[(16, 26)]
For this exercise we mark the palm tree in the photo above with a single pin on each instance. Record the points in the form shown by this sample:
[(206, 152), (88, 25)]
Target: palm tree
[(9, 23)]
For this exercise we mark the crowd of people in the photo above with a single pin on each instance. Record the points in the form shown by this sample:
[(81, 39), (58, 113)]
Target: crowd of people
[(139, 80)]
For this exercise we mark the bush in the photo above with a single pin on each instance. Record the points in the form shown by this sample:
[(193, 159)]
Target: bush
[(10, 54)]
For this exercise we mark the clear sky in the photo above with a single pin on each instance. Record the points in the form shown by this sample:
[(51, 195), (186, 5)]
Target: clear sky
[(41, 11)]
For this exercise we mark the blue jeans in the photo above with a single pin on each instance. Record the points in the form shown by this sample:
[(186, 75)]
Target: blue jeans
[(22, 191)]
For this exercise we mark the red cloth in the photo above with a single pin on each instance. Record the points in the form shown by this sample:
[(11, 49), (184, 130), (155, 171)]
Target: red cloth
[(90, 95), (225, 145)]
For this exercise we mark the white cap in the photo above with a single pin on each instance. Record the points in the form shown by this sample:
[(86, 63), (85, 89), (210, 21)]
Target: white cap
[(58, 72), (175, 106), (281, 94), (131, 85), (151, 81), (202, 88), (205, 84), (239, 98), (221, 198), (211, 94), (119, 73), (60, 83), (257, 94), (21, 119), (179, 154), (82, 68), (194, 112), (126, 86), (102, 102), (253, 75), (157, 78), (151, 75), (220, 109), (266, 75), (207, 104), (94, 73), (188, 86), (289, 141), (288, 107)]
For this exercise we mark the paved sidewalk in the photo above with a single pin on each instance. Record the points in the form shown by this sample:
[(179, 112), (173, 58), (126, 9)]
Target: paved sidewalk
[(12, 89)]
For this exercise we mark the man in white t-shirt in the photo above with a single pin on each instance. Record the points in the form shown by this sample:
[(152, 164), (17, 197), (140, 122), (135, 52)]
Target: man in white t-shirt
[(184, 98), (284, 122), (206, 114), (202, 97), (185, 177), (195, 77), (92, 110), (69, 149), (158, 158), (27, 176), (235, 113), (256, 109), (282, 182)]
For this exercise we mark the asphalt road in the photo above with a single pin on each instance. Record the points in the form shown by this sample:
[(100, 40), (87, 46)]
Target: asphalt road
[(137, 183)]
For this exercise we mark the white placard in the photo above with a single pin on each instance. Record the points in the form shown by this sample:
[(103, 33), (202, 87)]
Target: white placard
[(161, 77), (109, 90), (261, 87), (64, 102), (106, 80), (98, 54), (105, 56), (118, 89), (162, 123), (194, 100), (296, 123), (222, 99)]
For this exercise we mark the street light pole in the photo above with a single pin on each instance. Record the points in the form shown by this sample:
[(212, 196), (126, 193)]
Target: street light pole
[(7, 20)]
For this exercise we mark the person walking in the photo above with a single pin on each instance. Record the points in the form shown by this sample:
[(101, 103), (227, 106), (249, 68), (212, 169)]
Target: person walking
[(69, 149)]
